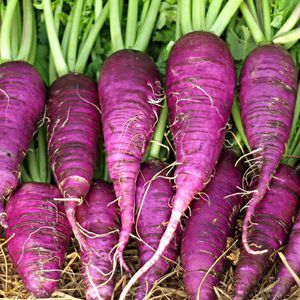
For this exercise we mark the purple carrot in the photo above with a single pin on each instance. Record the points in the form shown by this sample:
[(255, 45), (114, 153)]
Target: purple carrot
[(211, 223), (291, 253), (73, 136), (271, 225), (200, 83), (22, 101), (38, 236), (153, 197), (268, 87), (99, 217), (129, 91)]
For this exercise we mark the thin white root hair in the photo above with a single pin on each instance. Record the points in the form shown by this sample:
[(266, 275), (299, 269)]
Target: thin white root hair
[(7, 106), (92, 104), (212, 266), (28, 238), (247, 154), (93, 235), (152, 249), (114, 201), (148, 184)]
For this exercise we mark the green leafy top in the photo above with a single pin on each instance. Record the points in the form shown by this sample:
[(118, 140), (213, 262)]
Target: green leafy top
[(82, 21), (17, 40), (272, 21)]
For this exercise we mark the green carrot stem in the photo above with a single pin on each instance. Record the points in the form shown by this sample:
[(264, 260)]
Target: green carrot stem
[(106, 173), (296, 111), (121, 6), (267, 20), (16, 32), (32, 163), (131, 25), (259, 10), (198, 14), (74, 35), (144, 11), (252, 24), (58, 57), (25, 177), (115, 26), (85, 34), (66, 35), (236, 114), (185, 12), (90, 41), (251, 6), (288, 37), (43, 160), (32, 52), (49, 174), (293, 138), (232, 24), (212, 12), (5, 38), (178, 25), (98, 5), (27, 35), (296, 152), (290, 22), (159, 133), (225, 16), (147, 27), (51, 68)]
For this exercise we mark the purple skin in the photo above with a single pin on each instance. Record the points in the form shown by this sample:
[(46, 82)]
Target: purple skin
[(22, 101), (99, 214), (200, 78), (153, 212), (41, 236), (211, 223), (291, 253), (268, 87), (129, 91), (73, 139), (271, 225)]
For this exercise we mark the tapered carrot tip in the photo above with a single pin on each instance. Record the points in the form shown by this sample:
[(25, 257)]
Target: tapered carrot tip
[(122, 261), (70, 212)]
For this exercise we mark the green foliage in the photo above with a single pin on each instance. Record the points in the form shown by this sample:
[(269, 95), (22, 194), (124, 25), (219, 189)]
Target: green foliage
[(239, 40), (281, 10)]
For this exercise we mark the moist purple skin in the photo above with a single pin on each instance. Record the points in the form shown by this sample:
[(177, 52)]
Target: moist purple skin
[(22, 101), (271, 225), (206, 232), (268, 87), (153, 210), (129, 90), (99, 214), (200, 78), (38, 236), (73, 130), (291, 253)]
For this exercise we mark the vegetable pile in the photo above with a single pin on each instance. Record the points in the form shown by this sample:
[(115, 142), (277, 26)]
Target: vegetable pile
[(149, 149)]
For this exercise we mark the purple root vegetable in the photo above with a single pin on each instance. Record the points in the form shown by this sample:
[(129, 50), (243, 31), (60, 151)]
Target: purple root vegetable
[(272, 222), (38, 236), (211, 223), (268, 87), (291, 253), (99, 217), (22, 101), (130, 92), (153, 197), (73, 135), (200, 78)]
